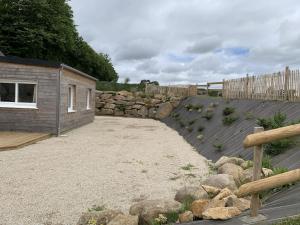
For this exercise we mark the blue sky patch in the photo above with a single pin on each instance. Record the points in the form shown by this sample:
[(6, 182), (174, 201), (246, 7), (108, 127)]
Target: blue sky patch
[(180, 58), (235, 51)]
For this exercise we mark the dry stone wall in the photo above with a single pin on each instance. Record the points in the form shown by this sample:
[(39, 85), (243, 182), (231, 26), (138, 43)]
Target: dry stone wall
[(127, 104)]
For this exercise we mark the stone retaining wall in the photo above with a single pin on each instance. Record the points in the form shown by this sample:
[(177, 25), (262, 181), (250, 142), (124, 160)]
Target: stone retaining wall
[(124, 103)]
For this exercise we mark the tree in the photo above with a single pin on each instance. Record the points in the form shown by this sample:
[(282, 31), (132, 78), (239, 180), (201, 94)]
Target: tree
[(45, 29)]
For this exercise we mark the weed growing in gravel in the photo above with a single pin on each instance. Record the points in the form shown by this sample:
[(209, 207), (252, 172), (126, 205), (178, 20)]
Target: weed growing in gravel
[(190, 129), (191, 122), (201, 128), (197, 107), (267, 162), (249, 116), (189, 166), (187, 203), (228, 110), (228, 120), (219, 147), (208, 115), (96, 208)]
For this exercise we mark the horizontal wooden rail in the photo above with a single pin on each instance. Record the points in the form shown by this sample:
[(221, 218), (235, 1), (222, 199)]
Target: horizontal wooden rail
[(269, 183), (271, 135)]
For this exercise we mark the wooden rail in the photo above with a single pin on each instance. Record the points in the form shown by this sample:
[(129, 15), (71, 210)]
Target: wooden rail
[(271, 135), (258, 185), (269, 183)]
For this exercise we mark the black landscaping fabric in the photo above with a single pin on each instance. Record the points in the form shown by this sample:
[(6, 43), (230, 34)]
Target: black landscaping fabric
[(280, 205)]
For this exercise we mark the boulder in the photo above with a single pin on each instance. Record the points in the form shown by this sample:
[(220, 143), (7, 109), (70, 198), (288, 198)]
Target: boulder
[(137, 106), (124, 220), (221, 181), (199, 206), (247, 164), (148, 210), (119, 97), (143, 112), (152, 112), (211, 191), (247, 175), (225, 159), (185, 217), (106, 96), (164, 110), (106, 111), (109, 106), (99, 104), (216, 203), (241, 203), (223, 194), (175, 103), (98, 217), (221, 213), (191, 192), (125, 93), (232, 169)]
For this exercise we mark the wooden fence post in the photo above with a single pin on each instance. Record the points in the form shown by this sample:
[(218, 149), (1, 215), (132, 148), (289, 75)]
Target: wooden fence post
[(286, 83), (257, 166)]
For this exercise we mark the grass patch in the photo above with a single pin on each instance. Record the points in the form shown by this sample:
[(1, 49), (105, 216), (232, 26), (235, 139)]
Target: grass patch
[(228, 110), (188, 167), (228, 120), (267, 162), (289, 221), (113, 86), (96, 208), (218, 146), (187, 203)]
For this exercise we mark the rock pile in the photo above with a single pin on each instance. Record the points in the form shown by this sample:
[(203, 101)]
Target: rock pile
[(215, 199), (124, 103)]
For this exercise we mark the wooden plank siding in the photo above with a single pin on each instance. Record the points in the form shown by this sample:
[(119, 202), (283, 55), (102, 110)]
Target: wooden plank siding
[(81, 116), (42, 119)]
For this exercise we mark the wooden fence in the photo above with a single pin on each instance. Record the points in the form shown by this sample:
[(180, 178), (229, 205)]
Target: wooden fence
[(190, 90), (282, 86)]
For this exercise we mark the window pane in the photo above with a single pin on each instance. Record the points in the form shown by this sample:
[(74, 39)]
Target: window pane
[(27, 93), (70, 98), (7, 92)]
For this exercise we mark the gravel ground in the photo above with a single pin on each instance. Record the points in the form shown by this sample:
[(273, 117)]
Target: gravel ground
[(113, 162)]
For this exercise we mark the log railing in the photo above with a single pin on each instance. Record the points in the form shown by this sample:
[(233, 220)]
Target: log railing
[(258, 185)]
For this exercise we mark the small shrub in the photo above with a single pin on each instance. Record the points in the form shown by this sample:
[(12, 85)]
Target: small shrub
[(197, 107), (219, 147), (175, 115), (277, 147), (267, 162), (208, 115), (278, 120), (189, 107), (289, 221), (228, 110), (191, 122), (187, 203), (190, 129), (201, 128), (279, 170), (228, 120), (249, 116)]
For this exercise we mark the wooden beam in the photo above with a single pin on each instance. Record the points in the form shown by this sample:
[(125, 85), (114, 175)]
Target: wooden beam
[(257, 164), (269, 183), (271, 135)]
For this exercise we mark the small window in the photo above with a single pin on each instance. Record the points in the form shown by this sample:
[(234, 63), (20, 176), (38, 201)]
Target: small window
[(88, 99), (71, 98), (18, 94)]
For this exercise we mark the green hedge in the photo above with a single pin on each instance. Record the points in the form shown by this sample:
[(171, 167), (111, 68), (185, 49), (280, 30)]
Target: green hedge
[(113, 86)]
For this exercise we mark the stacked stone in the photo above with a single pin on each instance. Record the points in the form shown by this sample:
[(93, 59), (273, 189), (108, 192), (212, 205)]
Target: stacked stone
[(124, 103)]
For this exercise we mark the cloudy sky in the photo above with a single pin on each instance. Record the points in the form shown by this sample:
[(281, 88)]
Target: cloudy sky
[(192, 41)]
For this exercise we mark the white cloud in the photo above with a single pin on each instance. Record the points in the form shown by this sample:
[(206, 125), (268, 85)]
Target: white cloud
[(175, 41)]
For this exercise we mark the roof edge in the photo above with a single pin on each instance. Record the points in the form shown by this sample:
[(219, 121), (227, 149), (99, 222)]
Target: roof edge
[(64, 66)]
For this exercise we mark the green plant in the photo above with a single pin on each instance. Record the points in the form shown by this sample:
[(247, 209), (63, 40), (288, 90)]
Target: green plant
[(228, 120), (289, 221), (191, 122), (249, 116), (218, 146), (208, 115), (187, 167), (187, 203), (197, 107), (279, 170), (172, 217), (228, 110), (189, 107), (96, 208), (278, 120), (190, 129), (201, 128), (277, 147), (267, 162)]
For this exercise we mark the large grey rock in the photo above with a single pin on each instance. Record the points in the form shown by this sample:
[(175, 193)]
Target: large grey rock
[(164, 110), (221, 181), (232, 169), (225, 159), (148, 210), (191, 192), (124, 220), (99, 217)]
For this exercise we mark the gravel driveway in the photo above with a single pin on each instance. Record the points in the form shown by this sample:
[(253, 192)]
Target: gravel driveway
[(112, 162)]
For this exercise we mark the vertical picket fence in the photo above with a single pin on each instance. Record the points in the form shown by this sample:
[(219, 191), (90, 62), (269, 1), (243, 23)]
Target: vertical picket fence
[(282, 86)]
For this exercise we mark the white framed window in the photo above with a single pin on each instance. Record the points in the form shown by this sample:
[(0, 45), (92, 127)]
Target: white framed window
[(18, 94), (88, 99), (71, 98)]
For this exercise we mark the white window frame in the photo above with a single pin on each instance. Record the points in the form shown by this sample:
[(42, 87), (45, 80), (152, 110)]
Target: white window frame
[(88, 98), (16, 103), (72, 97)]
